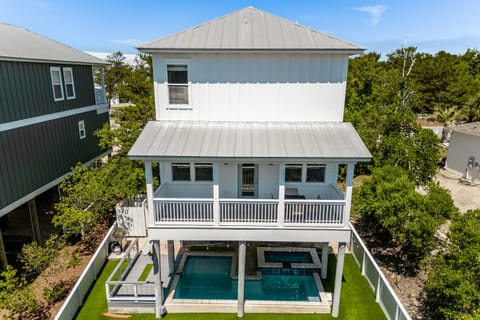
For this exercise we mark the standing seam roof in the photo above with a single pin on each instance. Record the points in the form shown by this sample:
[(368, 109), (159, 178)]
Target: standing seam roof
[(17, 43), (250, 29)]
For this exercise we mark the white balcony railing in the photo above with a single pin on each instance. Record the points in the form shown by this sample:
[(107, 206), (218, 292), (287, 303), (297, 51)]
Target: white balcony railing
[(314, 212), (241, 211), (181, 211), (248, 212)]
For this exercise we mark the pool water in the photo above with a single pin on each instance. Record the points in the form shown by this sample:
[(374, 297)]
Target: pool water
[(292, 257), (209, 278)]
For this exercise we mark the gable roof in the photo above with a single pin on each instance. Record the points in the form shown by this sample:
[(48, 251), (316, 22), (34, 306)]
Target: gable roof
[(250, 29), (19, 44), (176, 140)]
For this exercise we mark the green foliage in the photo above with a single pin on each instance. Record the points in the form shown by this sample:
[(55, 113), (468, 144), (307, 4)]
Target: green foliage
[(16, 297), (128, 123), (37, 258), (453, 285), (90, 194), (411, 147), (390, 204)]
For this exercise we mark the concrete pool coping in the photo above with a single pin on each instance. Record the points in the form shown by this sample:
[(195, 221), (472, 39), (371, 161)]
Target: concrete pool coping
[(175, 305), (316, 264)]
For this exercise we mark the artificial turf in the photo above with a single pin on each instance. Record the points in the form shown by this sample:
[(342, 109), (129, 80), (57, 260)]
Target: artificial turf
[(357, 300)]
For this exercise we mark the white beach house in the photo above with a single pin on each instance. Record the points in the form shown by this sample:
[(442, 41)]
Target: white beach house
[(250, 139)]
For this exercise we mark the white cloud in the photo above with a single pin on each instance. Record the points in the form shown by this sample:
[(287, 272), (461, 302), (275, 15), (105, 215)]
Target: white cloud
[(375, 12), (130, 42)]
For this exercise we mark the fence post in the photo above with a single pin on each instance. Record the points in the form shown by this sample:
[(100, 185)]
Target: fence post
[(377, 289), (364, 256)]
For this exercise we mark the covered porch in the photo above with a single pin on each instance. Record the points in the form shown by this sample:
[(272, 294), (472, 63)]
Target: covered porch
[(248, 182)]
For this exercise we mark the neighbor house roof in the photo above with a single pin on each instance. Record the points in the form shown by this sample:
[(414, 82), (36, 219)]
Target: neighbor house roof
[(20, 44), (249, 140), (469, 128), (250, 29)]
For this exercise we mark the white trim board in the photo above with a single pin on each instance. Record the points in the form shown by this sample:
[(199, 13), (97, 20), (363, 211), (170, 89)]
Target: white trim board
[(100, 108), (12, 206)]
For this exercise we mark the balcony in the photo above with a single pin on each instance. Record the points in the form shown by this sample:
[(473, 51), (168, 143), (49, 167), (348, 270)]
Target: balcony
[(100, 96), (325, 210)]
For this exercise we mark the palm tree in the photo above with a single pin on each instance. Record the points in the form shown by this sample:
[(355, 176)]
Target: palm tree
[(448, 116), (471, 109)]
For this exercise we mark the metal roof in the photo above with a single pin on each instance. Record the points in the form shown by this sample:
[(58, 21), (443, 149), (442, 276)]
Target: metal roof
[(250, 29), (469, 128), (20, 44), (249, 140)]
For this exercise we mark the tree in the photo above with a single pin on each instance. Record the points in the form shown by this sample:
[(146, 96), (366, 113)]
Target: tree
[(115, 73), (16, 297), (453, 284), (390, 205)]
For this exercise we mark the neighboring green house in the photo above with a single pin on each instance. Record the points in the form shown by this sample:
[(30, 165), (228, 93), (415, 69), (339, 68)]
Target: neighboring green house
[(49, 109)]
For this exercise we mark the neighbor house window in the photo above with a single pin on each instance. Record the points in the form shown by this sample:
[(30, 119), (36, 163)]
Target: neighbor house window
[(181, 171), (177, 76), (56, 77), (293, 173), (315, 173), (81, 129), (69, 86), (203, 172)]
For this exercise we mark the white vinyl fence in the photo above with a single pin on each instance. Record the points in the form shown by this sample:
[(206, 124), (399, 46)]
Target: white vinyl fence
[(384, 294), (76, 297)]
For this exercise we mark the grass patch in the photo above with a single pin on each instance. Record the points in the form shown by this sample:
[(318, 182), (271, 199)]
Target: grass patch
[(357, 300), (96, 302), (123, 267), (145, 272)]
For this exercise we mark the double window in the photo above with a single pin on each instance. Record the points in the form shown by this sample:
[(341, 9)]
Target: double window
[(305, 173), (62, 83), (184, 171), (177, 76)]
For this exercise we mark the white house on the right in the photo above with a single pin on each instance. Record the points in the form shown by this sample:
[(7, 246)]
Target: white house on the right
[(250, 143), (464, 151)]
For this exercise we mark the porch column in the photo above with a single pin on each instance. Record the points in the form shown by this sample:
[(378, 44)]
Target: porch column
[(338, 279), (149, 182), (32, 210), (348, 193), (171, 257), (323, 272), (242, 249), (3, 253), (216, 195), (281, 194), (157, 272)]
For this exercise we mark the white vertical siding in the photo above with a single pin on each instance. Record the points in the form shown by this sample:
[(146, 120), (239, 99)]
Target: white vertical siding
[(228, 180), (257, 87), (268, 180)]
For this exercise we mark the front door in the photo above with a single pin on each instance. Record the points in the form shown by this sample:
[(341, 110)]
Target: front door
[(248, 180)]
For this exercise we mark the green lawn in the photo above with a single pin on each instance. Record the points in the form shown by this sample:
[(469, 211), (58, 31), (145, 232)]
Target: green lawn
[(356, 302), (145, 272)]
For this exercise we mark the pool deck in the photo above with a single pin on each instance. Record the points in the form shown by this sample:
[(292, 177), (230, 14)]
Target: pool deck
[(207, 305)]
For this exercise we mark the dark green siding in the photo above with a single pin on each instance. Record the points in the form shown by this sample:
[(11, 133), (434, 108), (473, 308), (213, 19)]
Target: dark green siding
[(35, 155), (26, 90)]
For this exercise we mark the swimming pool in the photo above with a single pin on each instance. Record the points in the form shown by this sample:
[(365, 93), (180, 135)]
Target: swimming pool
[(209, 277), (292, 257)]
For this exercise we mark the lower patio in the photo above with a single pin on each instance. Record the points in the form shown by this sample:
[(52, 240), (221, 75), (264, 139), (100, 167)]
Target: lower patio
[(357, 299), (130, 287)]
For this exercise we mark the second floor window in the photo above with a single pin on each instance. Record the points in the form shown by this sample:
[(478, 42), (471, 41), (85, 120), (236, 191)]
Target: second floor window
[(62, 83), (56, 75), (181, 171), (69, 86), (293, 173), (177, 76)]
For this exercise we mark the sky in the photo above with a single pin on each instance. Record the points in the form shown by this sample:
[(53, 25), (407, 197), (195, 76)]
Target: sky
[(380, 26)]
